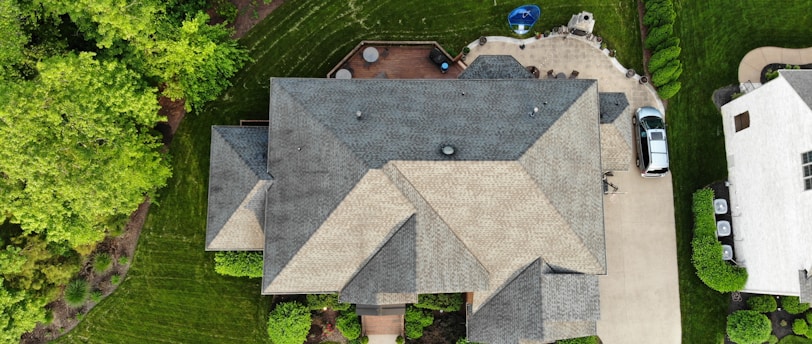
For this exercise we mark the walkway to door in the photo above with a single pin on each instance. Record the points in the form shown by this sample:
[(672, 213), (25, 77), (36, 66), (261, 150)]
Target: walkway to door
[(382, 329)]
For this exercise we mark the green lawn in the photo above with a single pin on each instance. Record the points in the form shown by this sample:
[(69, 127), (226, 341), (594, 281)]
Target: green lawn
[(171, 293), (715, 36)]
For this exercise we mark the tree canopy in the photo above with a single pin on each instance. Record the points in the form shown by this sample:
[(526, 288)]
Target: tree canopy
[(82, 151)]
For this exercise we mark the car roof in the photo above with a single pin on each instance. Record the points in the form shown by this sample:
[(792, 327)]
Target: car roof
[(647, 111)]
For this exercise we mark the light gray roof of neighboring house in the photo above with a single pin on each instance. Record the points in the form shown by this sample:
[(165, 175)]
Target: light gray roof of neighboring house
[(806, 286), (339, 180), (531, 308), (495, 67), (801, 81), (237, 181)]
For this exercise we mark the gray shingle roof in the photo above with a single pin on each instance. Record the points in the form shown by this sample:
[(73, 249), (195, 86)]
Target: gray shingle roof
[(319, 151), (616, 135), (801, 81), (496, 67), (237, 184), (806, 286), (391, 270), (538, 305)]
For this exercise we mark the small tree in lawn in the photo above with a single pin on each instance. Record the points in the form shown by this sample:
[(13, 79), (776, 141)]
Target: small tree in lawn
[(289, 323), (762, 303), (748, 327)]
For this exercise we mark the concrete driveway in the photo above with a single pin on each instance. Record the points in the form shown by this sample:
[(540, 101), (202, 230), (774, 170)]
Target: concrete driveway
[(640, 292)]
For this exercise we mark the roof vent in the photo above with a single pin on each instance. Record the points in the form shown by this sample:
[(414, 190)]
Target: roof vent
[(448, 150), (535, 111), (358, 115)]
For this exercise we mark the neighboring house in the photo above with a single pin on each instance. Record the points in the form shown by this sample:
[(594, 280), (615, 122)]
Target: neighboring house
[(381, 190), (768, 139)]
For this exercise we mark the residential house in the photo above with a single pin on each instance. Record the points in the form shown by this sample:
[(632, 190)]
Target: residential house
[(381, 190), (768, 139)]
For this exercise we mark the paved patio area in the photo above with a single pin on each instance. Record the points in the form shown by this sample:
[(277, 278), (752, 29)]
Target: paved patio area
[(755, 60), (640, 293)]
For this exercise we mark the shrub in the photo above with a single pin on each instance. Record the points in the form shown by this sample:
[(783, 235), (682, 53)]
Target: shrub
[(96, 296), (238, 264), (794, 340), (808, 316), (793, 305), (662, 57), (658, 35), (581, 340), (364, 340), (707, 251), (658, 14), (349, 324), (762, 303), (440, 302), (123, 260), (416, 320), (773, 339), (651, 3), (317, 302), (800, 327), (669, 73), (748, 327), (76, 293), (669, 90), (102, 262), (399, 340), (116, 279), (289, 323), (670, 42)]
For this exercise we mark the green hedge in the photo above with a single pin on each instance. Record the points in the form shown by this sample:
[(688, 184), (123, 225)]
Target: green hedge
[(762, 303), (664, 65), (349, 324), (238, 264), (748, 327), (793, 305), (716, 273), (440, 302), (416, 320), (317, 302), (289, 323)]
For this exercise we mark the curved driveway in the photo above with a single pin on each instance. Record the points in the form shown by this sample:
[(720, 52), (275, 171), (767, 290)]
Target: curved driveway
[(640, 292)]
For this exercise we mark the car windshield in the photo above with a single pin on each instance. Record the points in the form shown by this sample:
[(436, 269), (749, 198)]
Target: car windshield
[(652, 122)]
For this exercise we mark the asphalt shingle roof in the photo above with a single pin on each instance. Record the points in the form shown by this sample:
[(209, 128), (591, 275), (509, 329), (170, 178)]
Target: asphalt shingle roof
[(496, 67), (801, 81), (237, 184)]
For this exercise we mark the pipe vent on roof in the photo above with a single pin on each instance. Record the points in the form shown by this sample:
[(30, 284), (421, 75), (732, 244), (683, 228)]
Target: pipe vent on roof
[(448, 150), (358, 115)]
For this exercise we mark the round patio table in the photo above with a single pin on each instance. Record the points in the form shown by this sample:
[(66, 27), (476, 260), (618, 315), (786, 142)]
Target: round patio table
[(343, 74), (370, 54)]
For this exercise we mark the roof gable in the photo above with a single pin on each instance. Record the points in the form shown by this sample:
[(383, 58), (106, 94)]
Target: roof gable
[(495, 67), (237, 183), (801, 82)]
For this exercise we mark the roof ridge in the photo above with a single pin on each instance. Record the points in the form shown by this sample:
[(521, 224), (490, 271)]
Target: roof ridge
[(459, 240), (510, 280)]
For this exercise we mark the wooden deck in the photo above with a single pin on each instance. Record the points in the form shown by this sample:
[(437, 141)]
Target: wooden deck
[(397, 62)]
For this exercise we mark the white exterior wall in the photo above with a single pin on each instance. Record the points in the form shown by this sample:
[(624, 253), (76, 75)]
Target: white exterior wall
[(771, 211)]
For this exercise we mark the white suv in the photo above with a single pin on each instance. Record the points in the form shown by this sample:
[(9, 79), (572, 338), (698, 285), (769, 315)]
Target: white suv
[(652, 146)]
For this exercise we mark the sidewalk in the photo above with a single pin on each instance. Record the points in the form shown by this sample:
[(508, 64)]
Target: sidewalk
[(754, 61)]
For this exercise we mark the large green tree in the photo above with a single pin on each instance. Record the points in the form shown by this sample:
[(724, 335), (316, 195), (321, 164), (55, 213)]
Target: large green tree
[(12, 36), (78, 147), (19, 313)]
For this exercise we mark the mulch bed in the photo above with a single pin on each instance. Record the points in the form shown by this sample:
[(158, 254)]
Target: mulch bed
[(777, 66), (448, 327), (740, 302)]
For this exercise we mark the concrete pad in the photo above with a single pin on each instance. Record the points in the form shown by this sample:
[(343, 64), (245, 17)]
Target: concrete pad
[(382, 338), (755, 60), (640, 292)]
